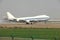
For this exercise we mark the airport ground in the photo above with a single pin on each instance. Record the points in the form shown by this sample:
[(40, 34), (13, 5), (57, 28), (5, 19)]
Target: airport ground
[(29, 34), (38, 31), (35, 25)]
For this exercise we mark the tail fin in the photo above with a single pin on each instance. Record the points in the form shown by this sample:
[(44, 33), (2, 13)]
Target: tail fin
[(10, 16)]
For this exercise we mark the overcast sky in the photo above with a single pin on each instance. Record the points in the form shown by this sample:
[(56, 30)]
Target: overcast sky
[(22, 8)]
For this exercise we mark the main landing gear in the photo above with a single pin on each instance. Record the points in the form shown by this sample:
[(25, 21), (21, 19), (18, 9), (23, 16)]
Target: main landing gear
[(29, 23)]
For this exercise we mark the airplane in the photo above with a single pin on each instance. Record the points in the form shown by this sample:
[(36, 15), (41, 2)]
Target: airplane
[(28, 20)]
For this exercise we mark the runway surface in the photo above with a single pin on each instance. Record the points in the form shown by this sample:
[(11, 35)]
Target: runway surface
[(37, 25)]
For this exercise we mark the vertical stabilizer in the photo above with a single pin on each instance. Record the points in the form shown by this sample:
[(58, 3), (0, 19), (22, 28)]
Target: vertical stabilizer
[(10, 16)]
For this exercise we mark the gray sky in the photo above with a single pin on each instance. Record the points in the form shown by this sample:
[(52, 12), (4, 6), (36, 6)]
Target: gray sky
[(20, 8)]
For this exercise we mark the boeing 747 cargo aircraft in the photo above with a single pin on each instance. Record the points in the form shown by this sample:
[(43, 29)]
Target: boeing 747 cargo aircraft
[(28, 20)]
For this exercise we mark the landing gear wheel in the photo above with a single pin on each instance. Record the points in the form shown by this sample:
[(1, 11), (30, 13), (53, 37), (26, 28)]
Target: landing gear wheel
[(27, 23), (31, 23)]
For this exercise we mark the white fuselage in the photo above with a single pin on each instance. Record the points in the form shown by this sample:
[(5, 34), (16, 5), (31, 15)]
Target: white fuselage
[(35, 18)]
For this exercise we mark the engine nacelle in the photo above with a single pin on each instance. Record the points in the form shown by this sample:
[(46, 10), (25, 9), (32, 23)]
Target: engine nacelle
[(14, 20)]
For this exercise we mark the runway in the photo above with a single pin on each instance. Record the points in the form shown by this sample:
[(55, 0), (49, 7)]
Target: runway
[(37, 25)]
